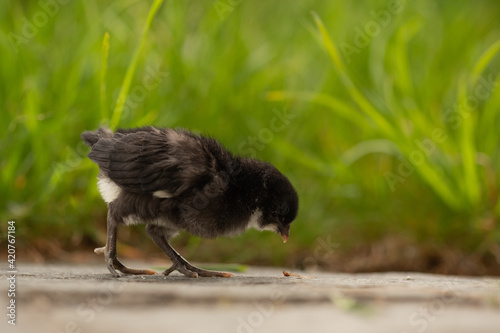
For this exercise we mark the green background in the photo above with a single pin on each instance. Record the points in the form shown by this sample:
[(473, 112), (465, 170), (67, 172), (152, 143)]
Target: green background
[(391, 138)]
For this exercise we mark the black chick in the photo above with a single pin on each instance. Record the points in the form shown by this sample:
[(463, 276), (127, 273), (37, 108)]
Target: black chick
[(175, 180)]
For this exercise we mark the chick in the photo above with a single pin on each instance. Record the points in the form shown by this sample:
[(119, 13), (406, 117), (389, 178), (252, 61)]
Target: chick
[(173, 179)]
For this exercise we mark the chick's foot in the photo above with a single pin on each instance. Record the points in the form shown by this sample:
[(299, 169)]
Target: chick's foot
[(191, 271)]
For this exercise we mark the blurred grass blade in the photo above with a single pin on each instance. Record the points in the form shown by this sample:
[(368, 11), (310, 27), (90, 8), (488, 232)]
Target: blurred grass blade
[(330, 46), (485, 59), (467, 146), (122, 96), (467, 132), (369, 147), (400, 59), (488, 127), (437, 182), (383, 125), (430, 175), (334, 104), (102, 76), (400, 56), (300, 157), (497, 208)]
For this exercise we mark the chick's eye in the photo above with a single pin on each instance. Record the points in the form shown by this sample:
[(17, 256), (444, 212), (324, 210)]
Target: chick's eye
[(283, 210)]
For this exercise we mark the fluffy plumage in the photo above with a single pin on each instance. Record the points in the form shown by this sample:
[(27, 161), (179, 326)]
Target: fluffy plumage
[(173, 180)]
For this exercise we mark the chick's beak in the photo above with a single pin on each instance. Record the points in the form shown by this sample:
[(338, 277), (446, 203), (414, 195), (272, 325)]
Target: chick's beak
[(285, 232)]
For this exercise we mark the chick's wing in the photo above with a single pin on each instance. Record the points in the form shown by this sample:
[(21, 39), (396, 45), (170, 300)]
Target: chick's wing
[(169, 160)]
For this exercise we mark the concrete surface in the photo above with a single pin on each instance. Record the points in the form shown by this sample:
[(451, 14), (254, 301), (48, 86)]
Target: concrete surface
[(86, 298)]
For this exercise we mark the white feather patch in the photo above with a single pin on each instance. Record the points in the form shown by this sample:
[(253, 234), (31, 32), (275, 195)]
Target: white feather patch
[(132, 220), (270, 227), (175, 137), (108, 189), (254, 222), (162, 194)]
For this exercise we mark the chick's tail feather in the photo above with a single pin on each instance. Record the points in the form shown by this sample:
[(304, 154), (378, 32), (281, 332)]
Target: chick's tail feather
[(91, 137)]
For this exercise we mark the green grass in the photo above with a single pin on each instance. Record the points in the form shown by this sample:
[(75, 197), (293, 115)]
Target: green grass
[(353, 146)]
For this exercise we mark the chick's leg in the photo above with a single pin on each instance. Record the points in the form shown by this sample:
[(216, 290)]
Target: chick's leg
[(199, 271), (158, 234), (109, 251)]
